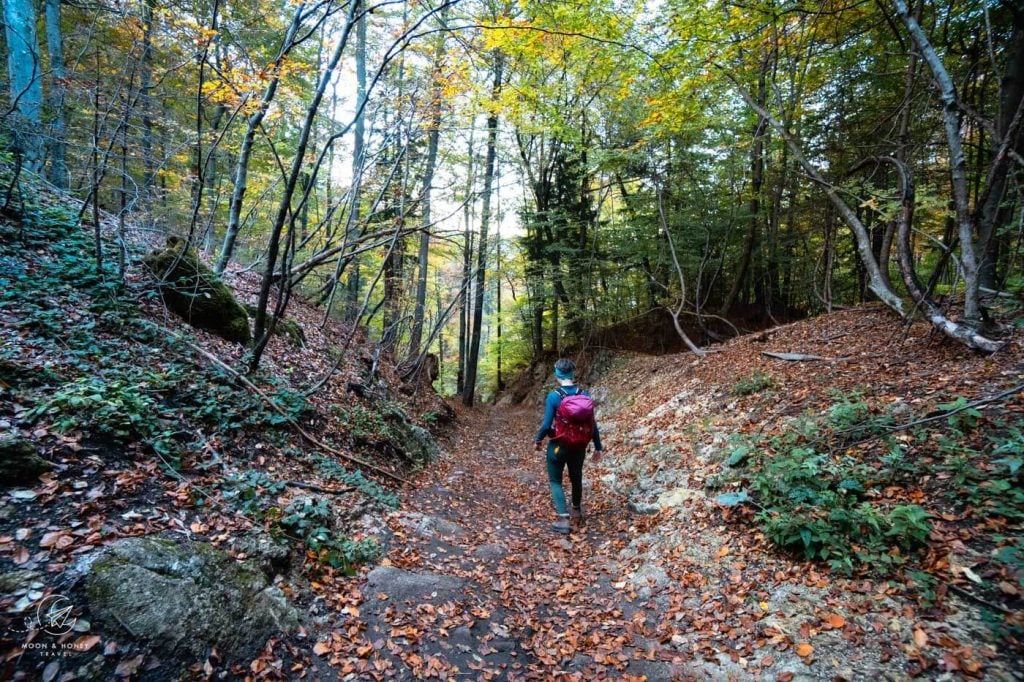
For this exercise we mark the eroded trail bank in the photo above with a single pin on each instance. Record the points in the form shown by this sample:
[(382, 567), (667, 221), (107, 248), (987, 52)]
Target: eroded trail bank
[(660, 583)]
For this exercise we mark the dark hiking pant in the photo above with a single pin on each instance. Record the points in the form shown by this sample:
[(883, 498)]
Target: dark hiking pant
[(558, 459)]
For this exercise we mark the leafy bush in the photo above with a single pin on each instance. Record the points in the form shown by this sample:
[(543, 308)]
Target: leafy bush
[(112, 407), (364, 425), (815, 500), (853, 418), (310, 520), (375, 491), (246, 490)]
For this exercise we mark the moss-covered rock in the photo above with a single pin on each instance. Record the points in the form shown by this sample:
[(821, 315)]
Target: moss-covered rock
[(414, 441), (19, 461), (186, 597), (192, 291)]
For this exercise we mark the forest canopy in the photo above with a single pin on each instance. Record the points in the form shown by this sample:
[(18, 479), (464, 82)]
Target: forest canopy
[(493, 182)]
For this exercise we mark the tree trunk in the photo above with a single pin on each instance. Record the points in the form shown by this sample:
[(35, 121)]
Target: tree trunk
[(754, 205), (58, 78), (245, 150), (437, 92), (146, 97), (24, 72), (467, 263), (957, 164), (990, 215), (469, 392), (909, 80), (863, 239), (352, 283), (262, 330)]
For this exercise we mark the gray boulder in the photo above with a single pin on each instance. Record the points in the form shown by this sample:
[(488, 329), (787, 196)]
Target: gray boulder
[(402, 585), (185, 597), (19, 462), (413, 441)]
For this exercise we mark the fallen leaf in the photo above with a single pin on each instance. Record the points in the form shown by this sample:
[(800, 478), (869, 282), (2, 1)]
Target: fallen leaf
[(804, 649), (86, 642), (321, 648), (971, 575), (920, 638), (836, 620)]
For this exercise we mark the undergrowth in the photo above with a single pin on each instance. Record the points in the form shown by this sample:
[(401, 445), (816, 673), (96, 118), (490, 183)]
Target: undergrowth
[(81, 360), (859, 485)]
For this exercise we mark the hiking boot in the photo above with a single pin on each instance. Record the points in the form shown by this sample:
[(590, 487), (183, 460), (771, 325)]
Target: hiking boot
[(562, 524), (576, 515)]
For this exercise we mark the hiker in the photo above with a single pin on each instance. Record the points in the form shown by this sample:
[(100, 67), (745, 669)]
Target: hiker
[(570, 423)]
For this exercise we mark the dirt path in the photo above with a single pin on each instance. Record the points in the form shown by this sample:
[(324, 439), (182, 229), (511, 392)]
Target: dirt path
[(475, 585)]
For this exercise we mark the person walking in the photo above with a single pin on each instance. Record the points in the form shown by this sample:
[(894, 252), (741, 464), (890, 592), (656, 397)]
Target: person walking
[(570, 425)]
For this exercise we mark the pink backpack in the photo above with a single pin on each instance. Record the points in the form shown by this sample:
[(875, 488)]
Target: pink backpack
[(574, 420)]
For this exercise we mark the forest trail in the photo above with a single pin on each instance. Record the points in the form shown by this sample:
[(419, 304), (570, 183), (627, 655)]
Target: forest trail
[(476, 585)]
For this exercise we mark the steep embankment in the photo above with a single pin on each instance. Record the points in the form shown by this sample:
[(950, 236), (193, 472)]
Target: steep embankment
[(840, 455), (158, 511)]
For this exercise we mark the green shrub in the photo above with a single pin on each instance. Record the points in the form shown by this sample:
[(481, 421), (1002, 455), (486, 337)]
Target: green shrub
[(375, 491), (310, 520), (247, 491), (755, 383), (363, 425), (815, 499), (112, 407)]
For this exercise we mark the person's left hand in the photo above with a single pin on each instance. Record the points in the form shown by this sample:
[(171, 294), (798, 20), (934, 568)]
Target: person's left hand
[(536, 446), (597, 456)]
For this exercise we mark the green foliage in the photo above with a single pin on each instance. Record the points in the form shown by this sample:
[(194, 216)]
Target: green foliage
[(247, 490), (965, 418), (817, 496), (924, 584), (310, 519), (365, 425), (755, 383), (375, 491), (111, 407), (854, 418), (818, 502), (812, 503)]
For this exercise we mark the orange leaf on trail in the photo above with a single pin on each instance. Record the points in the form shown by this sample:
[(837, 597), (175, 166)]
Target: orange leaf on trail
[(321, 648), (86, 642), (836, 621), (804, 649), (920, 638)]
